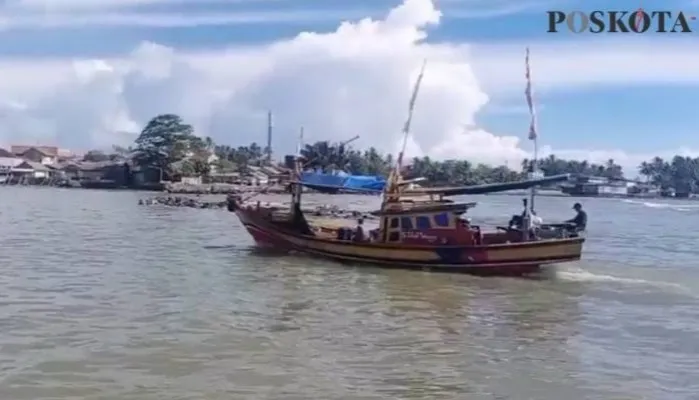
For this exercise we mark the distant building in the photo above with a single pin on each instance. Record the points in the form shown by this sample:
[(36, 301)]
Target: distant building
[(147, 176), (32, 170), (290, 161), (257, 176), (191, 180), (94, 171), (7, 162), (597, 186), (46, 155), (644, 190)]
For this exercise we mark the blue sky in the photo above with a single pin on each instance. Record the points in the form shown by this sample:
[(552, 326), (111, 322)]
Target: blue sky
[(637, 108)]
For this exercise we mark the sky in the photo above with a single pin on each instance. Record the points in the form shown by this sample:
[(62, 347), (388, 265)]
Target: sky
[(86, 74)]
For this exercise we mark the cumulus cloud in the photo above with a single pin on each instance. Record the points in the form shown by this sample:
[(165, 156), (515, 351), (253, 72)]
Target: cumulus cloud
[(355, 80), (565, 65), (73, 5), (179, 19)]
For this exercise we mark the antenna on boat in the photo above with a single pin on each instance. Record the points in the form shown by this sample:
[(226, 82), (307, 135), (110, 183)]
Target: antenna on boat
[(533, 134), (394, 176)]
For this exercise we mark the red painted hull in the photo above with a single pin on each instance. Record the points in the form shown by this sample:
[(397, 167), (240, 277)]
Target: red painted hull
[(508, 260)]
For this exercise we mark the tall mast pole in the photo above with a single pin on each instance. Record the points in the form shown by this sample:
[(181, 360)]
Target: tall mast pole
[(533, 134), (394, 176)]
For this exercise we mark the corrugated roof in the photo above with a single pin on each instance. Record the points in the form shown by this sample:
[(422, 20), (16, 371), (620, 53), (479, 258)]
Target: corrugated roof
[(51, 151), (6, 154), (33, 165), (8, 162)]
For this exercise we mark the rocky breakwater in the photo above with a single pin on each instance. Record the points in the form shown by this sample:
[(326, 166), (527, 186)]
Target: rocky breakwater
[(328, 211), (223, 188), (182, 201)]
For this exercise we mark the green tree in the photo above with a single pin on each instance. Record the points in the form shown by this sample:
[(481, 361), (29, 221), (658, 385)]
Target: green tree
[(681, 174), (224, 165), (165, 140)]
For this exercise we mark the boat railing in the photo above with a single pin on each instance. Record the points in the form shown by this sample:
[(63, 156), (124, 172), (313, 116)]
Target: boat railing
[(558, 231)]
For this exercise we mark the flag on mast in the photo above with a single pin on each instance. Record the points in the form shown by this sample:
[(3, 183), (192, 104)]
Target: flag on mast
[(533, 134)]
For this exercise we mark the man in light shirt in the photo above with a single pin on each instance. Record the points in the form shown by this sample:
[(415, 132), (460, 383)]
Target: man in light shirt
[(536, 220), (530, 221)]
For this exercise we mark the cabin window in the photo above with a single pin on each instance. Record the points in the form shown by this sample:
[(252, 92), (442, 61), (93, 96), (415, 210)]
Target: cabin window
[(423, 222), (394, 222), (394, 236), (406, 223), (441, 220)]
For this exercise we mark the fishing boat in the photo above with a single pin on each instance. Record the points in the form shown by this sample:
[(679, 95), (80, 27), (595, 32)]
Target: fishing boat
[(418, 228), (428, 234)]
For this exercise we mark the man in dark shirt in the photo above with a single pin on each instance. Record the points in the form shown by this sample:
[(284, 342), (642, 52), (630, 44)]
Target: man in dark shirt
[(359, 235), (580, 220)]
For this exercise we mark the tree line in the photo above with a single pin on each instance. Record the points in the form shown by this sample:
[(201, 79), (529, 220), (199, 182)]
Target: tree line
[(168, 143)]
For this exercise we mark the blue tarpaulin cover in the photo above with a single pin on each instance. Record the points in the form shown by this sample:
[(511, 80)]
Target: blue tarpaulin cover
[(357, 182)]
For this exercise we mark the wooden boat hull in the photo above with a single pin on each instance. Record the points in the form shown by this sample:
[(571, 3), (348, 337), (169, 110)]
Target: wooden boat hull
[(512, 259)]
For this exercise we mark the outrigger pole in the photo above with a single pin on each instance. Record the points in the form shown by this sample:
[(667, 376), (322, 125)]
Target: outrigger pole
[(394, 176), (533, 134)]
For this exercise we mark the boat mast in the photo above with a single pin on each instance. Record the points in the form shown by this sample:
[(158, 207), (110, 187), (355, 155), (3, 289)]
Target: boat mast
[(391, 189), (297, 189), (533, 134)]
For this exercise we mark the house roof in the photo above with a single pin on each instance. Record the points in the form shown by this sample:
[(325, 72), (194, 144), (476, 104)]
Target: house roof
[(92, 166), (270, 170), (33, 165), (6, 154), (8, 162), (49, 151), (86, 165)]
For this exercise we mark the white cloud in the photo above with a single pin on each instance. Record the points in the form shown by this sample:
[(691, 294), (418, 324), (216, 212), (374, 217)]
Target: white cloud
[(87, 5), (50, 14), (172, 19), (559, 65), (355, 80), (485, 9)]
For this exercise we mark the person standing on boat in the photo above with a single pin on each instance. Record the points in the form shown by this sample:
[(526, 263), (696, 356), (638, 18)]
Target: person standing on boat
[(530, 222), (359, 235), (536, 220), (526, 216), (580, 220)]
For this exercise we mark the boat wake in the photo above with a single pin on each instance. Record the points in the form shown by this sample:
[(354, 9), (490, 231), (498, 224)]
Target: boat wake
[(667, 206), (580, 275)]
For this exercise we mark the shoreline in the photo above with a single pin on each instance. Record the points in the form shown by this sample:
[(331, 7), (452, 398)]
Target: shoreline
[(225, 189)]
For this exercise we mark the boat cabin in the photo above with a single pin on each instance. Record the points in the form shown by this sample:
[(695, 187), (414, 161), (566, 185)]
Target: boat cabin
[(427, 224)]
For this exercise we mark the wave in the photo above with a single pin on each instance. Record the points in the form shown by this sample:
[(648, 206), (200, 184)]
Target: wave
[(581, 275), (667, 206)]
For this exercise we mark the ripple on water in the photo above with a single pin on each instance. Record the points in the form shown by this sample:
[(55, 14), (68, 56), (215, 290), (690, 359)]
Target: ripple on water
[(103, 299)]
